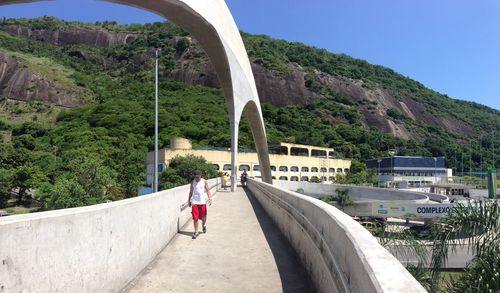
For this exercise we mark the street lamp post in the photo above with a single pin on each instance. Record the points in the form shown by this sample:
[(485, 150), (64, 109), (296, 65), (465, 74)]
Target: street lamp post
[(155, 184), (435, 172), (378, 161), (392, 153)]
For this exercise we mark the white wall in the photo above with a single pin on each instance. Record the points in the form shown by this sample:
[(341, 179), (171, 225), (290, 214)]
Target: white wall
[(90, 249), (336, 250)]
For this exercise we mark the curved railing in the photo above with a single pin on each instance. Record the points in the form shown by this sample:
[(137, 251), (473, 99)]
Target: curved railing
[(339, 254)]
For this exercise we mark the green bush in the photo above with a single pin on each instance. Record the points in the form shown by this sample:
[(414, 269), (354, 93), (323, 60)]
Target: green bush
[(180, 171), (395, 114)]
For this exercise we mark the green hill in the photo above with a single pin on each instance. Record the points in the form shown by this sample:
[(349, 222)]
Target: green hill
[(79, 97)]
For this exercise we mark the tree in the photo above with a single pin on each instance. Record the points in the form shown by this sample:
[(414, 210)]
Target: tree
[(65, 193), (25, 178), (343, 199), (182, 44), (180, 171), (96, 179), (358, 174), (5, 186), (477, 224)]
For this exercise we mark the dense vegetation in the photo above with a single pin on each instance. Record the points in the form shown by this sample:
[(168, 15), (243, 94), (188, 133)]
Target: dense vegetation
[(181, 169), (97, 152)]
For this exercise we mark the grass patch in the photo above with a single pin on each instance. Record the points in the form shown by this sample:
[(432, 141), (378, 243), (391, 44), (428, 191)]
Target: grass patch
[(17, 112), (52, 71), (447, 278), (14, 209), (45, 67), (19, 210)]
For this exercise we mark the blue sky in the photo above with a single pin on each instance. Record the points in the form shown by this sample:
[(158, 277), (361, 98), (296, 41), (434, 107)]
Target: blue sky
[(451, 46)]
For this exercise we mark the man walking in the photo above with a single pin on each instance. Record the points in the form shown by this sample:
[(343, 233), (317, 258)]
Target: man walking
[(198, 202)]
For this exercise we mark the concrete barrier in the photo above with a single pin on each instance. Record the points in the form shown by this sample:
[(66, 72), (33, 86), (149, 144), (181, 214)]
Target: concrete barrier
[(339, 254), (357, 193), (89, 249), (438, 198)]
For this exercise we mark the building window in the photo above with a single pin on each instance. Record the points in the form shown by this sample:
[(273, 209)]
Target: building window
[(323, 170), (283, 169), (314, 169), (273, 168), (304, 178), (216, 167), (304, 169), (294, 169), (294, 178), (274, 178), (339, 170), (256, 167), (318, 154), (244, 168), (346, 171), (315, 179), (283, 178), (332, 170), (299, 152), (323, 178), (278, 150), (227, 167), (331, 178)]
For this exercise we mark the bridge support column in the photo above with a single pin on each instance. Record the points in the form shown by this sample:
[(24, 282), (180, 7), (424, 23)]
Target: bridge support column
[(235, 125)]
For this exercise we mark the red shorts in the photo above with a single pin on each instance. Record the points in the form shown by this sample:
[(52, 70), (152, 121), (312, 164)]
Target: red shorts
[(199, 211)]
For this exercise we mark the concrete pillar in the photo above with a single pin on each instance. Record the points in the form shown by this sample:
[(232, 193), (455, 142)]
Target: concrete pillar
[(234, 153), (254, 116)]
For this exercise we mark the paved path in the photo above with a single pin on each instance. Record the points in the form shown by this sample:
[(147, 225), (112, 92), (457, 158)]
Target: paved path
[(242, 252)]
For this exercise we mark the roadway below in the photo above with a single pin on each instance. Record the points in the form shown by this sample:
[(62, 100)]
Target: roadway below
[(243, 251)]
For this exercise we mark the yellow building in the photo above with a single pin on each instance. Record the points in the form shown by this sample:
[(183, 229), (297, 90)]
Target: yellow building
[(292, 162)]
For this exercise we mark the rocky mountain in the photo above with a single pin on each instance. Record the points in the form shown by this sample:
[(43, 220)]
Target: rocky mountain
[(191, 66), (19, 81), (43, 59)]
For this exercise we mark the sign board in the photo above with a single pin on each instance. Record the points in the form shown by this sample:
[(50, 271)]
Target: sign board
[(409, 210)]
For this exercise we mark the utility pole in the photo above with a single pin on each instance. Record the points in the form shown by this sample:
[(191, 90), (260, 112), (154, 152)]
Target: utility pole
[(493, 148), (156, 125), (462, 163), (435, 170), (481, 154), (378, 161), (470, 158)]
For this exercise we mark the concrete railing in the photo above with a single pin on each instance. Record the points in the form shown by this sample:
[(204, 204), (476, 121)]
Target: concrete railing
[(90, 249), (357, 193), (336, 250)]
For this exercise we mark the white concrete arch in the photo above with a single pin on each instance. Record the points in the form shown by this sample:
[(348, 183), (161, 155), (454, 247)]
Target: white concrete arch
[(211, 23)]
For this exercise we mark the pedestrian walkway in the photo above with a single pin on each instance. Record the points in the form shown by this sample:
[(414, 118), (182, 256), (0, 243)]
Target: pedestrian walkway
[(243, 251)]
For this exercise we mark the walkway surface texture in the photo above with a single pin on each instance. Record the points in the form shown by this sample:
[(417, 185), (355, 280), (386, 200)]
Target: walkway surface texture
[(242, 251)]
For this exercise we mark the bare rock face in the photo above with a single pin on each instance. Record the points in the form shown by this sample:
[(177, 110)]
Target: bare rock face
[(283, 90), (17, 82), (192, 67), (280, 90), (74, 36), (374, 113)]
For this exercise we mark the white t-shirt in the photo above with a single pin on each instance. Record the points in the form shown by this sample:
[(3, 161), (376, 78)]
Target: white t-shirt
[(199, 195)]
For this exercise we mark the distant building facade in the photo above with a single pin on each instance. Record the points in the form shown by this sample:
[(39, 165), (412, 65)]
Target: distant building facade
[(409, 171), (292, 162)]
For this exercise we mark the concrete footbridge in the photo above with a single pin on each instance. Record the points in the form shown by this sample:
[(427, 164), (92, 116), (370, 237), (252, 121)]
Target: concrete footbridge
[(261, 238)]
